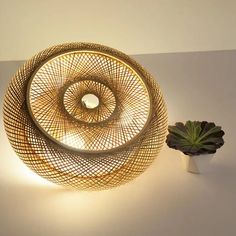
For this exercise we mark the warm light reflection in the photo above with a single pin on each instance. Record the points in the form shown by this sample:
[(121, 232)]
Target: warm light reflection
[(14, 171), (33, 178), (73, 140)]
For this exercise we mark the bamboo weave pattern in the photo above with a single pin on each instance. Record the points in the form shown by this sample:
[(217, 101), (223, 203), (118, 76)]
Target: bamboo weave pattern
[(61, 139)]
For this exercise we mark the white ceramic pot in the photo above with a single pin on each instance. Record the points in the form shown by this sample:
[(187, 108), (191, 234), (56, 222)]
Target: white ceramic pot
[(196, 164)]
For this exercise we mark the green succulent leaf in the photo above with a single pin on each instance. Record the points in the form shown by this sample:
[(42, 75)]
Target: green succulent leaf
[(195, 137)]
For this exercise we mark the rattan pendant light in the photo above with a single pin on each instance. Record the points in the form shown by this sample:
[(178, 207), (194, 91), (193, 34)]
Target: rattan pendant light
[(85, 115)]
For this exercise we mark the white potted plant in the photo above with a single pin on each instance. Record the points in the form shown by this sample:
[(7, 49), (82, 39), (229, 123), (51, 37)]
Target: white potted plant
[(197, 141)]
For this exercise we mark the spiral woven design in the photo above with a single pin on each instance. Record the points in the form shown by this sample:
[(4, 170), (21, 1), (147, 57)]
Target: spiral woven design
[(60, 138)]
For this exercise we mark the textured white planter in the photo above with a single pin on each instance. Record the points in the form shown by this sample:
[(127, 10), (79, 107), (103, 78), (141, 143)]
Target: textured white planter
[(196, 164)]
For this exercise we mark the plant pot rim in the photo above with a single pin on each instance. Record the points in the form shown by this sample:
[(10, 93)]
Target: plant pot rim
[(203, 154)]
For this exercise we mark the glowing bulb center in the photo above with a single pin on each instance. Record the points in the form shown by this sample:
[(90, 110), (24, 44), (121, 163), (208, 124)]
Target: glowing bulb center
[(90, 101)]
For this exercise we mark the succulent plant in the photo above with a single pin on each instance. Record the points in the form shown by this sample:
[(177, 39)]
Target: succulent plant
[(195, 137)]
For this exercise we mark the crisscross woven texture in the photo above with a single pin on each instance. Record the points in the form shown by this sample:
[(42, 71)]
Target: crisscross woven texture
[(56, 135)]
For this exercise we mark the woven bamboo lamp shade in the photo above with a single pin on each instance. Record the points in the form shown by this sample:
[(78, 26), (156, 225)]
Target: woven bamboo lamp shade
[(85, 115)]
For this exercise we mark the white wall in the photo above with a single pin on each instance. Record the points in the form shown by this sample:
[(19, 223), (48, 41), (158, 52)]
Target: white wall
[(133, 26), (165, 200)]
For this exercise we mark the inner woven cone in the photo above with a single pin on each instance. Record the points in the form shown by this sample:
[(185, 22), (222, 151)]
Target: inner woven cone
[(76, 107), (55, 102)]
